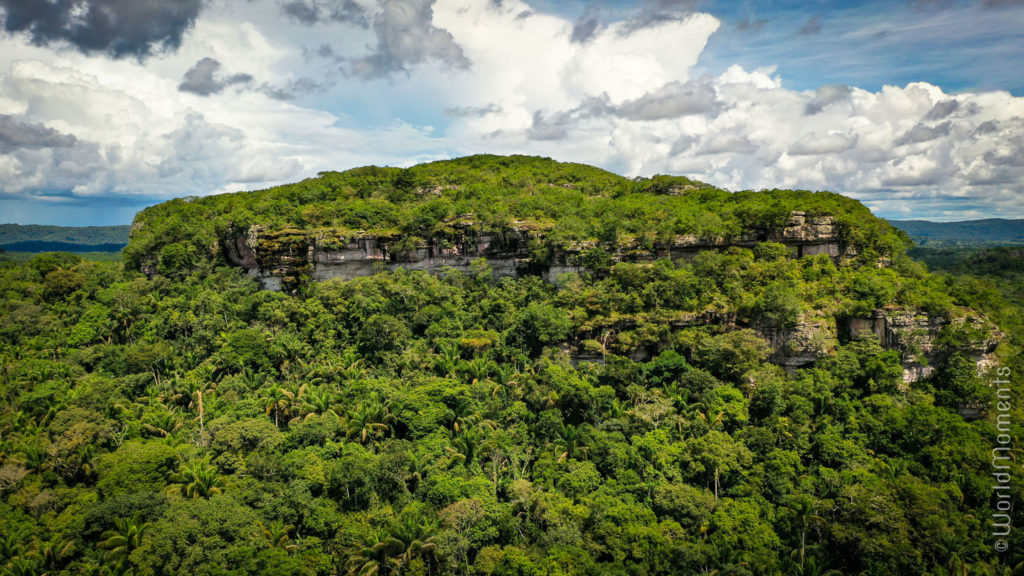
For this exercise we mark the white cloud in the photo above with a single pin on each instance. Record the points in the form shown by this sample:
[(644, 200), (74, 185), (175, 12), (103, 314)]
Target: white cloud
[(626, 98)]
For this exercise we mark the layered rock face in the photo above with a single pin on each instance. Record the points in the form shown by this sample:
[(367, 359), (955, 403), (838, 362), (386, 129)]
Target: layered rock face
[(279, 259), (913, 333), (283, 259)]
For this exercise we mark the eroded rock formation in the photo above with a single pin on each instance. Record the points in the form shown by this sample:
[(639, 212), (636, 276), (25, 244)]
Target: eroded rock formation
[(281, 258)]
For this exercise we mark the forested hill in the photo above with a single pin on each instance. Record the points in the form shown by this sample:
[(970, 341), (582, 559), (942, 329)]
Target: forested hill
[(36, 238), (670, 379), (536, 207), (992, 231)]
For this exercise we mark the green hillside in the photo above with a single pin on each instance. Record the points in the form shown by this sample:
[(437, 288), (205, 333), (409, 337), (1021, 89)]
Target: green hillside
[(571, 204), (745, 409), (993, 231)]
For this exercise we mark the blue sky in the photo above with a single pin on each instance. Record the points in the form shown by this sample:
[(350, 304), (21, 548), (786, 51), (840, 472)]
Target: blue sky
[(915, 108), (958, 46)]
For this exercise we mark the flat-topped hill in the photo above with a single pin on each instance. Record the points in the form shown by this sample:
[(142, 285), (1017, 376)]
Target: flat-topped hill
[(536, 214)]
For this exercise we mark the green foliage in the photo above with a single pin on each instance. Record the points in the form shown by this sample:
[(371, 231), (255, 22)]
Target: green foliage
[(632, 419), (565, 206)]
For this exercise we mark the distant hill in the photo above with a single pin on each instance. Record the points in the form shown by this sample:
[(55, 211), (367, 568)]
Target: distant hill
[(35, 238), (970, 232)]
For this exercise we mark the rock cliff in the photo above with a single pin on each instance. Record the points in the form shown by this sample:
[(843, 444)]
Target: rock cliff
[(914, 334), (281, 259)]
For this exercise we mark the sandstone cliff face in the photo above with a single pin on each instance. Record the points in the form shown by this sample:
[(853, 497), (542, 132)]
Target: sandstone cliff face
[(809, 341), (280, 258), (913, 333)]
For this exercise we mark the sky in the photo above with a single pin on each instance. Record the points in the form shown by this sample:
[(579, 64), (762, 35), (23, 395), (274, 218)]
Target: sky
[(914, 107)]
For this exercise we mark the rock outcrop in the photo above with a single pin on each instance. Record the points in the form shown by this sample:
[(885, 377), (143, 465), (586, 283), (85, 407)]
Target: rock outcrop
[(802, 345), (914, 333), (284, 258)]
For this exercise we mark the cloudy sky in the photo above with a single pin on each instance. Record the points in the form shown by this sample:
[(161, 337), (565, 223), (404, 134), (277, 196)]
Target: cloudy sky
[(914, 107)]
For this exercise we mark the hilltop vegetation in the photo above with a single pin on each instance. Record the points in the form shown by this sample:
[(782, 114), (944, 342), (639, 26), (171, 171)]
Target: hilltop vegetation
[(569, 204), (624, 420)]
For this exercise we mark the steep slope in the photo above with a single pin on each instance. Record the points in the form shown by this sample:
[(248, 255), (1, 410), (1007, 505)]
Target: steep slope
[(535, 216)]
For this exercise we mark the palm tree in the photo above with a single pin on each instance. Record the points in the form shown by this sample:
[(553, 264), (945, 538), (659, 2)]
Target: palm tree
[(954, 546), (711, 423), (27, 565), (9, 355), (276, 535), (55, 552), (190, 391), (364, 424), (83, 462), (803, 510), (252, 380), (9, 545), (34, 456), (198, 479), (373, 556), (316, 401), (463, 416), (464, 446), (414, 535), (447, 360), (415, 471), (812, 568), (351, 365), (278, 400), (477, 369), (162, 423), (21, 423), (570, 442), (119, 542)]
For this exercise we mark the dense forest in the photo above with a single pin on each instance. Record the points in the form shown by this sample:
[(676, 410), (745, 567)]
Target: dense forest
[(35, 238), (991, 232), (631, 418)]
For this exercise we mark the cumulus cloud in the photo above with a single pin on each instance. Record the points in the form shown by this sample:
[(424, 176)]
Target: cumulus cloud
[(116, 27), (297, 88), (623, 94), (924, 133), (58, 137), (310, 12), (15, 134), (653, 12), (39, 158), (942, 109), (472, 111), (812, 144), (406, 36), (587, 23), (550, 126), (825, 95), (673, 100), (611, 101), (204, 78)]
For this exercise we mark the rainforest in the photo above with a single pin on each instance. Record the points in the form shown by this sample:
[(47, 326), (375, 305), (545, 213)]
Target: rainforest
[(508, 366)]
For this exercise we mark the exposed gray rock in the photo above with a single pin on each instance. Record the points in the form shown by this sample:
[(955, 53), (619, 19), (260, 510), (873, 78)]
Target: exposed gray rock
[(292, 255)]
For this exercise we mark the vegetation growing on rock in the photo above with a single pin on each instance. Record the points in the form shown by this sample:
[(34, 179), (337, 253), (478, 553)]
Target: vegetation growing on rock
[(632, 418)]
